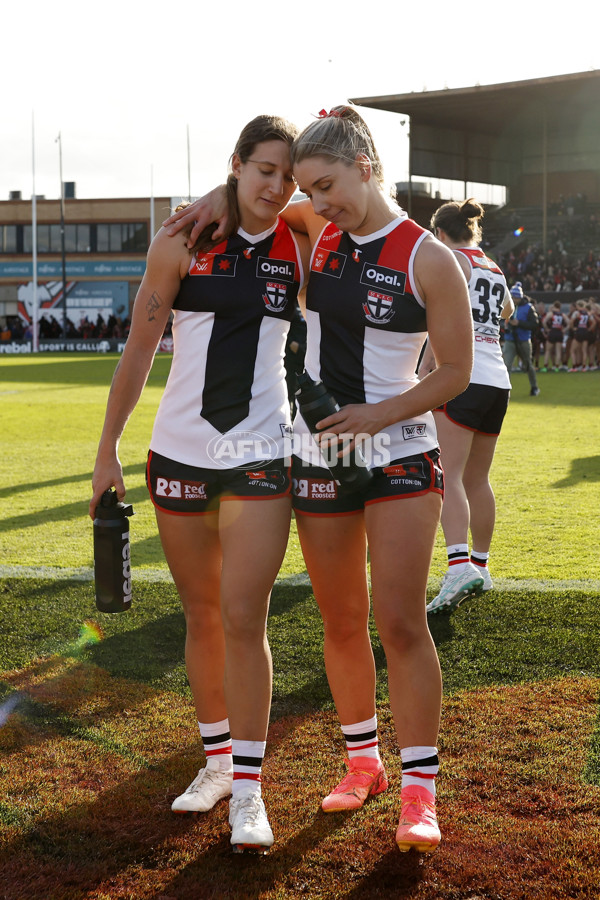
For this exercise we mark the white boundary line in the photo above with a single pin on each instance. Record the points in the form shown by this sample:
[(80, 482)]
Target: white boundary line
[(163, 575)]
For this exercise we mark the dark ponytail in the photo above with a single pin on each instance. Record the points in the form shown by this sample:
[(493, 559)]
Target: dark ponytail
[(460, 221)]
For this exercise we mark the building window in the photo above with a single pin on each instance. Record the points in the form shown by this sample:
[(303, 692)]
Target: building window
[(8, 238), (122, 237), (115, 237)]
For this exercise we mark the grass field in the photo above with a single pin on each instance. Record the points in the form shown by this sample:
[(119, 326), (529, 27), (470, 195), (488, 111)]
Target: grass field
[(97, 738)]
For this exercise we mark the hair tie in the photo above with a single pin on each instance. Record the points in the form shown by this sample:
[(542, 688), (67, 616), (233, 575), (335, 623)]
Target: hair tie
[(333, 113)]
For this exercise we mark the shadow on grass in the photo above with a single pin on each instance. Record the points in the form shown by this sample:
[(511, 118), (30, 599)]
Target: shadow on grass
[(13, 489), (66, 512), (126, 826), (395, 875), (586, 468)]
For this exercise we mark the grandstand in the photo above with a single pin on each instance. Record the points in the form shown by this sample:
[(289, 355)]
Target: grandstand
[(540, 139)]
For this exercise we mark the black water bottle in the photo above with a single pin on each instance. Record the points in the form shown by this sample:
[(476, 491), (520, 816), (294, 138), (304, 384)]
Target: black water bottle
[(315, 403), (112, 554)]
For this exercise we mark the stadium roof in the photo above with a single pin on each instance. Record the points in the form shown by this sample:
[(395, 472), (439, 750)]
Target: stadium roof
[(497, 108)]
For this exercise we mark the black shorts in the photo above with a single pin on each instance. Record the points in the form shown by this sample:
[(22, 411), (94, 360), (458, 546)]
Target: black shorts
[(555, 336), (187, 490), (315, 493), (480, 408), (584, 336)]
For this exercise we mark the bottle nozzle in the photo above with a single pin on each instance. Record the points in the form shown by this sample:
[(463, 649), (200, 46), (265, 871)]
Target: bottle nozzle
[(109, 498)]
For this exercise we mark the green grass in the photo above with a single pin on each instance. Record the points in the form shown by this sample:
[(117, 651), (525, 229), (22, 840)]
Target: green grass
[(545, 473), (101, 737)]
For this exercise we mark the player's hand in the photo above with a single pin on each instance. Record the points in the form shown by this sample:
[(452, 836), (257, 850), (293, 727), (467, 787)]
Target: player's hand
[(106, 476), (352, 425), (199, 214)]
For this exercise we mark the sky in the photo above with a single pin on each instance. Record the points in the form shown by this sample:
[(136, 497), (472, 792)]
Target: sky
[(131, 85)]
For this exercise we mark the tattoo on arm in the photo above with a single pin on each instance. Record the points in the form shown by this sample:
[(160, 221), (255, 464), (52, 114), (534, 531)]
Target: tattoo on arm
[(153, 305)]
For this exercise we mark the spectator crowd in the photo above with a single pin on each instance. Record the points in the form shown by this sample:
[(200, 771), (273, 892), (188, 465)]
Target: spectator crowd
[(571, 261)]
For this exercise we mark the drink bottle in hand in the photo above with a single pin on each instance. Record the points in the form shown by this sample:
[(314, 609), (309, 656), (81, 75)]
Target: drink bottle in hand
[(112, 554), (316, 403)]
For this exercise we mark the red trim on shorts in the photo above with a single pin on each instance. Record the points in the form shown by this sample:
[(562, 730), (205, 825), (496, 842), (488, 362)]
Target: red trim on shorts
[(442, 409)]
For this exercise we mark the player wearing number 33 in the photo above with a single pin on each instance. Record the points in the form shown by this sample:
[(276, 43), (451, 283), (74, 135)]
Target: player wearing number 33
[(469, 425)]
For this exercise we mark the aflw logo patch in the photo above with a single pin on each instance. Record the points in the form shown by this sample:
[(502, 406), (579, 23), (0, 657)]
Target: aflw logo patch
[(214, 264), (328, 262), (410, 432)]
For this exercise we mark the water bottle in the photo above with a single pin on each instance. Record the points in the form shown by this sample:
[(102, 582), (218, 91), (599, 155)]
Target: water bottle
[(112, 554), (315, 403)]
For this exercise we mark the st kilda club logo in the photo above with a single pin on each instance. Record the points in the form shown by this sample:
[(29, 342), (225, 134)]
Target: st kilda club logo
[(275, 296)]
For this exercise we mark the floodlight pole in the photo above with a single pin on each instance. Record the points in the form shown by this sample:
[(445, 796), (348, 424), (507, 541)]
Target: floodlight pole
[(62, 237), (545, 182), (409, 191)]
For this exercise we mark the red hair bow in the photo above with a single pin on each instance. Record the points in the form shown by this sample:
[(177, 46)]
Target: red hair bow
[(326, 115)]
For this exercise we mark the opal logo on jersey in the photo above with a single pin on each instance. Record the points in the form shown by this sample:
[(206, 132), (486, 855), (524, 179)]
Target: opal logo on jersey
[(236, 449), (276, 296), (271, 268), (381, 277), (378, 308)]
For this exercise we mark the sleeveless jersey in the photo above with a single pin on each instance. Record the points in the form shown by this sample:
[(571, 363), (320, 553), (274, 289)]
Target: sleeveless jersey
[(487, 290), (225, 402), (583, 319), (366, 326), (558, 322)]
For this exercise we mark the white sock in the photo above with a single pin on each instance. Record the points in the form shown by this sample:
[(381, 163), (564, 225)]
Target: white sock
[(420, 766), (247, 765), (217, 744), (361, 739), (458, 557)]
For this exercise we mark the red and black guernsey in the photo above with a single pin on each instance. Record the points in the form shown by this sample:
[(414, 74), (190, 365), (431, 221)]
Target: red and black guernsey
[(357, 288), (240, 283)]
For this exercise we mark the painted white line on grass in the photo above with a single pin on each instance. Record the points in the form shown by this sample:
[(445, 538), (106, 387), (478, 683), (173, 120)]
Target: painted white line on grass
[(163, 575)]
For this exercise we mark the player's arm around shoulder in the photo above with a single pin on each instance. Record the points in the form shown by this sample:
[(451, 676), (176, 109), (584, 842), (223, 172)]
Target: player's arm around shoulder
[(301, 217)]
